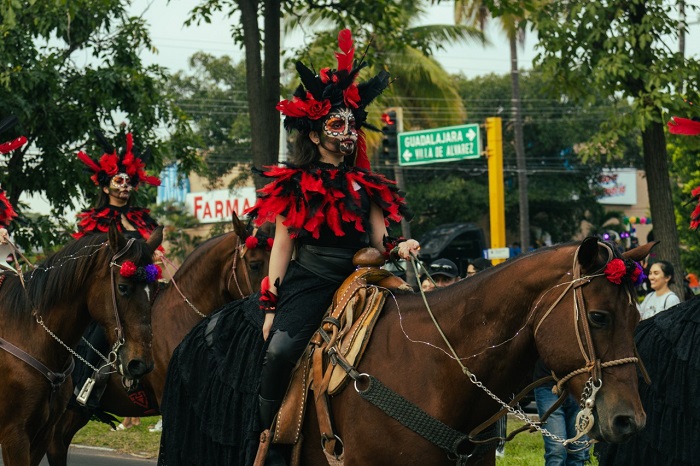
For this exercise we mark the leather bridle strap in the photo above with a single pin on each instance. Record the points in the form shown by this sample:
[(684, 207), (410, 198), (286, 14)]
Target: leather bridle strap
[(118, 329), (54, 378), (241, 249)]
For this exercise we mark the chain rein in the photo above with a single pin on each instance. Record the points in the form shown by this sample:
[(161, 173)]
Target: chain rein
[(593, 365), (111, 359), (239, 250)]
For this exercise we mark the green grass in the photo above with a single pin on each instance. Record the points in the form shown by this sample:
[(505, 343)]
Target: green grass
[(525, 450), (137, 440)]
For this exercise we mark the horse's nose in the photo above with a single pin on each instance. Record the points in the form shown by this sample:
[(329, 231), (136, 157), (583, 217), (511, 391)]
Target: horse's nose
[(625, 426), (137, 368)]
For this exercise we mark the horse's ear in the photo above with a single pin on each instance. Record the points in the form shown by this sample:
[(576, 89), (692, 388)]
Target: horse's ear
[(116, 240), (238, 227), (639, 253), (156, 238), (588, 253)]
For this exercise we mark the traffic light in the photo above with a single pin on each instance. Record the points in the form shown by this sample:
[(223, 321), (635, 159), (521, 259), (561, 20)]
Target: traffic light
[(390, 131)]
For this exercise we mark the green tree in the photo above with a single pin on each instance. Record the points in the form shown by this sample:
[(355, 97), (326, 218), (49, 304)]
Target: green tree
[(621, 50), (561, 193), (70, 68), (475, 12), (262, 58), (213, 95)]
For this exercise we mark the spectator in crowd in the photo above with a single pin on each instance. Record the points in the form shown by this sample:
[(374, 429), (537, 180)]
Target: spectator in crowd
[(561, 422), (477, 265), (443, 271), (660, 276)]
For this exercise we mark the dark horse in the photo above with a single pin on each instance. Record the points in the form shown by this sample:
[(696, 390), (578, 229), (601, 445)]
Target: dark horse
[(45, 319), (220, 270), (668, 345), (556, 303)]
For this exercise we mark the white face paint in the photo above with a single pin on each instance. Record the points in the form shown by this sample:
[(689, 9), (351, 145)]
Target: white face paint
[(148, 293), (339, 133)]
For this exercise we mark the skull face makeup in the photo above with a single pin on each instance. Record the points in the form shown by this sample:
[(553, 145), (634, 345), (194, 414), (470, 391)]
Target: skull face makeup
[(120, 180), (119, 189), (339, 134)]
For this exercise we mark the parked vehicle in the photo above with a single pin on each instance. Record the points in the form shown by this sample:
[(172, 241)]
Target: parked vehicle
[(459, 242)]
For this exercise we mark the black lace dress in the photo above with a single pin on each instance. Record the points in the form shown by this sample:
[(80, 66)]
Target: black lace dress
[(668, 344)]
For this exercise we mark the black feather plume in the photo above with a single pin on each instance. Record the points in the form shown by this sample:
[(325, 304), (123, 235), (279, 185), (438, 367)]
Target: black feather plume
[(309, 79), (102, 141)]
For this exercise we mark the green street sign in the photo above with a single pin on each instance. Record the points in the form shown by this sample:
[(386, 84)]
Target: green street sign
[(440, 145)]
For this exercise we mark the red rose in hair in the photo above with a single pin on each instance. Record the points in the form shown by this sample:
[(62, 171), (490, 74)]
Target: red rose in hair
[(251, 242), (316, 109), (615, 271), (128, 269), (351, 96)]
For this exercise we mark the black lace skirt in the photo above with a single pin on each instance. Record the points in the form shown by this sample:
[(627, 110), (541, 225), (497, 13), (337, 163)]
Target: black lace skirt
[(669, 344), (210, 400)]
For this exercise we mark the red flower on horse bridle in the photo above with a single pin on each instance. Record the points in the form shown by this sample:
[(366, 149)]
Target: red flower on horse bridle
[(617, 269), (147, 274), (253, 242)]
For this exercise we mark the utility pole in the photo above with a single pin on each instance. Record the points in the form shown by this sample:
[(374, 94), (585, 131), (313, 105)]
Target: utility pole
[(519, 147)]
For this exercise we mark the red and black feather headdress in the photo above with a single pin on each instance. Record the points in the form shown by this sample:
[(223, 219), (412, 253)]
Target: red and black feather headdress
[(111, 163), (319, 93)]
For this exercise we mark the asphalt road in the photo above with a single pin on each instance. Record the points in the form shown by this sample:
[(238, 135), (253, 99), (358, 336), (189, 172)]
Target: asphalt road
[(94, 457)]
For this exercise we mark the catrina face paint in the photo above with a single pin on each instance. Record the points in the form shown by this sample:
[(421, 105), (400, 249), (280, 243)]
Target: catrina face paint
[(339, 133)]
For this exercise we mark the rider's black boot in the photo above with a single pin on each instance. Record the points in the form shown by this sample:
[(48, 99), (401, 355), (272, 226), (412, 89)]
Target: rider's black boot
[(267, 410)]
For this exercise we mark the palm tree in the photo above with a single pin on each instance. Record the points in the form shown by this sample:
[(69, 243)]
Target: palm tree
[(476, 13)]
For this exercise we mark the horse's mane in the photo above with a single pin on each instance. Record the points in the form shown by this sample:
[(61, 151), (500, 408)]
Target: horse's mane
[(64, 273), (197, 253)]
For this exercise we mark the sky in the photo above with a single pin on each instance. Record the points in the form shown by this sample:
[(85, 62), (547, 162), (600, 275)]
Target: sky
[(175, 42)]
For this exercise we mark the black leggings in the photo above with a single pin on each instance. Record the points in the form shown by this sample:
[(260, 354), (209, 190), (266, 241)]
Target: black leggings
[(282, 355)]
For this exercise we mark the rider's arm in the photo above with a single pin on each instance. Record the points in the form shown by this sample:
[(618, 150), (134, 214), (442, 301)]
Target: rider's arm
[(378, 230), (281, 255)]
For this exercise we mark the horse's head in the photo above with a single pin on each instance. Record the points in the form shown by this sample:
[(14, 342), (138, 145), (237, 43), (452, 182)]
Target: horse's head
[(584, 331), (256, 245), (122, 305)]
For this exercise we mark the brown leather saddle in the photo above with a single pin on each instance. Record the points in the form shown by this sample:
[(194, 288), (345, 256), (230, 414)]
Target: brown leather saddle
[(337, 346)]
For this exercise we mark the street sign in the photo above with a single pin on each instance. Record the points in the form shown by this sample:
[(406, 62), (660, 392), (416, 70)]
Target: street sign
[(440, 145), (496, 253)]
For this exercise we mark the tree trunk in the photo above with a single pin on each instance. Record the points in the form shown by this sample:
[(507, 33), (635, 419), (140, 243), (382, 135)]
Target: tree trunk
[(262, 82), (661, 201), (519, 146)]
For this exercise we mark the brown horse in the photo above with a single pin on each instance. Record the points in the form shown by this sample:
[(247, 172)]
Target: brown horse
[(219, 271), (554, 303), (42, 321)]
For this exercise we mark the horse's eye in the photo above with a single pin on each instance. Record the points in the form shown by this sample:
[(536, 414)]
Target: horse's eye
[(123, 289), (598, 318), (255, 265)]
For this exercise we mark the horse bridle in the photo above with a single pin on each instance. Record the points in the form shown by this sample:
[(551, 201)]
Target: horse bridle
[(593, 365), (239, 251), (57, 378)]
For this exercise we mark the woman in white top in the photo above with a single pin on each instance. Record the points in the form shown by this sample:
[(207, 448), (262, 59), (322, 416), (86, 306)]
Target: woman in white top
[(660, 276)]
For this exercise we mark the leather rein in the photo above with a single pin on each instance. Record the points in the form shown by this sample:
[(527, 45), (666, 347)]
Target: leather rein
[(56, 379), (239, 252)]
